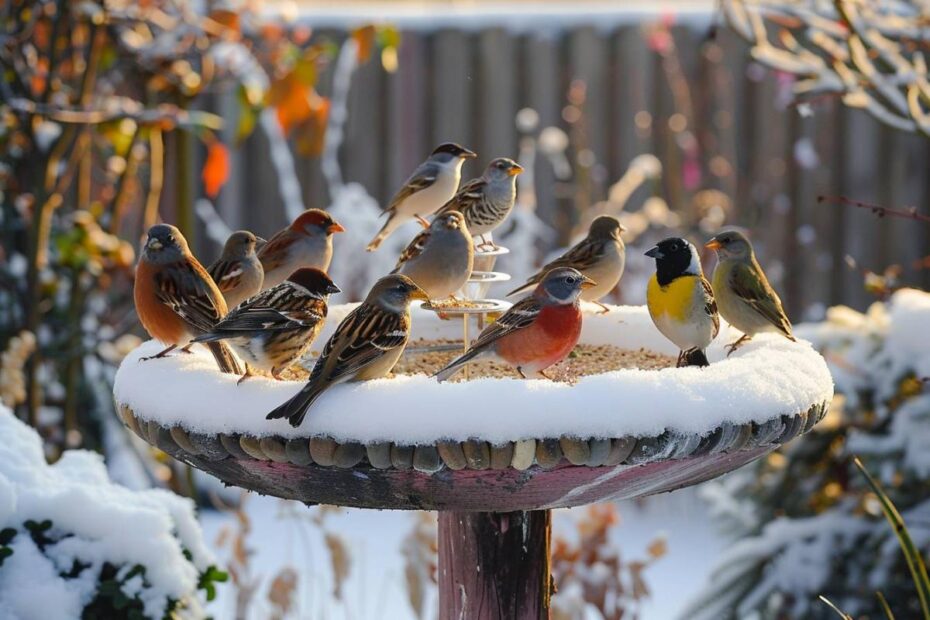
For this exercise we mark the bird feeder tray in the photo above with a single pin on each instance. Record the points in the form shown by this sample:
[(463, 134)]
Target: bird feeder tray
[(487, 251), (488, 277), (477, 306)]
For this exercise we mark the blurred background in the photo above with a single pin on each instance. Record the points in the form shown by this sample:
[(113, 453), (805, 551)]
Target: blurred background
[(678, 117)]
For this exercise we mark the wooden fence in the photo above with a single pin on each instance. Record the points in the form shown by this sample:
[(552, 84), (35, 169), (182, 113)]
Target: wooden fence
[(702, 107)]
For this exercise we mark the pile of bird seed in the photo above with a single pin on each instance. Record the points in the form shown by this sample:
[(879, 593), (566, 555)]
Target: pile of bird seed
[(587, 359)]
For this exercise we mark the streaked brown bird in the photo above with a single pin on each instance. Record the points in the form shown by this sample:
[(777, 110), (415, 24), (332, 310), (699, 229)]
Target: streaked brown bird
[(366, 345), (488, 200), (307, 242), (237, 272), (176, 299), (276, 327)]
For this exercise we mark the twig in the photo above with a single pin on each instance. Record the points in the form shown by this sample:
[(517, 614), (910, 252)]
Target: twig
[(879, 210)]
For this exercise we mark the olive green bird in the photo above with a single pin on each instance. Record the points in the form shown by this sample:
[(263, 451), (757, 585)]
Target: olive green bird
[(744, 296)]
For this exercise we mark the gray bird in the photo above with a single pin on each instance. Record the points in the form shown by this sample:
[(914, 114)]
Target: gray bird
[(746, 299), (600, 256), (487, 201), (366, 345), (237, 272), (430, 186), (440, 258)]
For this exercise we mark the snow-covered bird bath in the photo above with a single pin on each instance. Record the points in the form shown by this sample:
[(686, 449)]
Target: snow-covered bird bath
[(494, 454)]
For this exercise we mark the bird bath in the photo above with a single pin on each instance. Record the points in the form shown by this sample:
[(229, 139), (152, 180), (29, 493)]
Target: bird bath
[(493, 455)]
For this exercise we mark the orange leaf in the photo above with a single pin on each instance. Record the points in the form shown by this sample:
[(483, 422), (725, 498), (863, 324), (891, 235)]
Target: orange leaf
[(289, 96), (310, 133), (365, 39), (228, 19), (215, 169)]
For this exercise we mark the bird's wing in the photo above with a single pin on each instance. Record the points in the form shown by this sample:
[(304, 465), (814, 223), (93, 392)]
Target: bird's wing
[(414, 249), (710, 304), (520, 316), (424, 176), (226, 273), (582, 256), (187, 289), (253, 318), (274, 253), (750, 284), (470, 193), (365, 335)]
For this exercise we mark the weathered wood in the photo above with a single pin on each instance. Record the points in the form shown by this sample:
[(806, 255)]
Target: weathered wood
[(494, 566)]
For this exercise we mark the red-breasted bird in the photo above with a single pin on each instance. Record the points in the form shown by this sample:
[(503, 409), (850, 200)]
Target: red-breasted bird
[(366, 345), (276, 327), (601, 256), (681, 301), (441, 257), (237, 272), (176, 299), (746, 299), (487, 201), (431, 185), (307, 242), (536, 332)]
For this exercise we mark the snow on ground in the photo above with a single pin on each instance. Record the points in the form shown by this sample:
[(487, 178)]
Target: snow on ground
[(93, 521), (376, 588), (767, 377)]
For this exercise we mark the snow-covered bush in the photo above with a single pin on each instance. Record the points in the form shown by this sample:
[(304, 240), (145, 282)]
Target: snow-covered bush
[(807, 523), (75, 545)]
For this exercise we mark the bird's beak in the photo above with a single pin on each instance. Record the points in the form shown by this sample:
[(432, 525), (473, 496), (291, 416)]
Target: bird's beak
[(335, 227), (515, 170), (332, 289), (713, 244), (260, 242), (419, 293), (587, 282), (623, 228), (153, 244), (655, 253), (466, 154)]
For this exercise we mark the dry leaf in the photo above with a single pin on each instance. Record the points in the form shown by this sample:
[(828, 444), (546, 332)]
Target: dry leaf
[(281, 592), (365, 40), (341, 561)]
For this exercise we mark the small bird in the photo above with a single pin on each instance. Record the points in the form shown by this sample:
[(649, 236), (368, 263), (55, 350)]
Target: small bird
[(366, 345), (680, 300), (431, 185), (237, 272), (536, 332), (746, 299), (440, 258), (176, 299), (276, 327), (601, 256), (487, 201), (307, 242)]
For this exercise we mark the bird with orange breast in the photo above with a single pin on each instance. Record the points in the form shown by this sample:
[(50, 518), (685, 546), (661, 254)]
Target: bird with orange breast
[(176, 299), (307, 242), (536, 332)]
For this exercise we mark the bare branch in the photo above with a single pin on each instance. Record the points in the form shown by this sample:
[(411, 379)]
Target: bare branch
[(910, 213)]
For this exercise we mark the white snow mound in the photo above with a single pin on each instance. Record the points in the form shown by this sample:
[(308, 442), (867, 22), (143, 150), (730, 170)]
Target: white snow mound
[(767, 377)]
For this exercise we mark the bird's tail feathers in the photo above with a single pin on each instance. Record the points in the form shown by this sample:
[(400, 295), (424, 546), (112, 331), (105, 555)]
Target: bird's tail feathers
[(694, 357), (457, 364), (520, 289), (295, 410), (386, 230), (209, 337), (225, 358)]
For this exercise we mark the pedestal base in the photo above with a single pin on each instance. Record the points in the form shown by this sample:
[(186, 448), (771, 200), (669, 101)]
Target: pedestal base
[(494, 565)]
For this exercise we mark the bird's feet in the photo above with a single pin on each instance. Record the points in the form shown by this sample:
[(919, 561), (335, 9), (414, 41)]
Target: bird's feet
[(423, 222), (734, 346), (485, 244), (543, 373), (604, 309), (187, 349), (245, 375), (161, 354)]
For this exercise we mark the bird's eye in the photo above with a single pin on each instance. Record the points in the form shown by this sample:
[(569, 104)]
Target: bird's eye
[(571, 279)]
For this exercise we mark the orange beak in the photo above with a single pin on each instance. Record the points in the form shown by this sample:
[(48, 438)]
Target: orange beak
[(587, 282), (335, 227), (713, 244), (515, 170), (419, 293)]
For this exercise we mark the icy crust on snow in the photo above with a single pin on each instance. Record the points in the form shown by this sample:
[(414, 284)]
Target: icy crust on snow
[(93, 521), (769, 376)]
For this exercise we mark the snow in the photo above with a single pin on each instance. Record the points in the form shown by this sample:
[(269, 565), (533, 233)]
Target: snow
[(767, 377), (94, 521)]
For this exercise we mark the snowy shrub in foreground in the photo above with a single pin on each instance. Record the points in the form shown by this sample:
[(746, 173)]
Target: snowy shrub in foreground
[(807, 522), (73, 544)]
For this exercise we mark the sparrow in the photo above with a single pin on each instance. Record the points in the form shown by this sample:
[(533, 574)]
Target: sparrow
[(307, 242), (440, 258), (431, 185), (276, 327), (176, 299), (487, 201), (536, 332), (680, 300), (601, 256), (746, 299), (366, 345), (237, 272)]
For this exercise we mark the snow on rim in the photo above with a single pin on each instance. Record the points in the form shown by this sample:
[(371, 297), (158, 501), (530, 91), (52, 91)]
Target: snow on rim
[(768, 377)]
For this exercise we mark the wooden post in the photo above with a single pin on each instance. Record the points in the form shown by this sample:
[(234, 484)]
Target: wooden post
[(494, 566)]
